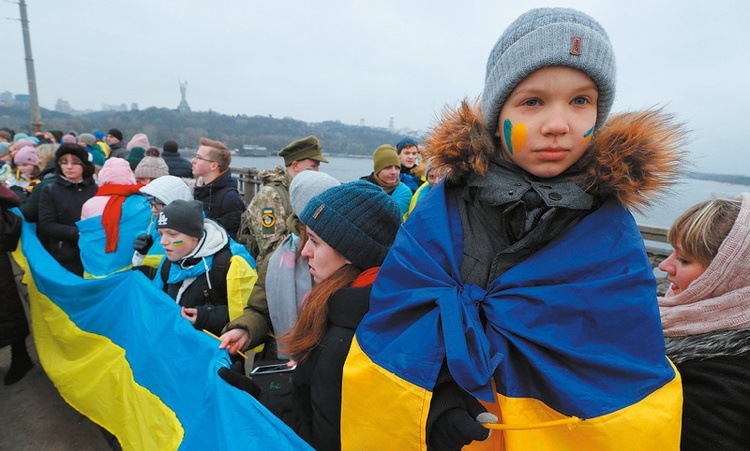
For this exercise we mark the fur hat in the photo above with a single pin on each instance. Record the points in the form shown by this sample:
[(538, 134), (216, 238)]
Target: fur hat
[(138, 140), (27, 155), (183, 216), (152, 168), (357, 219), (383, 157), (78, 151), (115, 132), (5, 135), (88, 138), (306, 185), (548, 37)]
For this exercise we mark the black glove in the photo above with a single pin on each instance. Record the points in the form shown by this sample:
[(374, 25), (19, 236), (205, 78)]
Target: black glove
[(237, 378), (143, 243), (457, 426)]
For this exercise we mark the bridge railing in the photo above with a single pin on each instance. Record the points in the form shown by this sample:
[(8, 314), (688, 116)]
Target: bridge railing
[(655, 238)]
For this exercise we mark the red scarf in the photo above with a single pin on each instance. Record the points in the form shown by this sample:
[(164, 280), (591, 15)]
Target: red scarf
[(113, 211), (366, 277)]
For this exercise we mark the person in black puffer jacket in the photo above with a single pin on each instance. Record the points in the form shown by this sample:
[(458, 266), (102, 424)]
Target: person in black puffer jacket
[(60, 205), (178, 166)]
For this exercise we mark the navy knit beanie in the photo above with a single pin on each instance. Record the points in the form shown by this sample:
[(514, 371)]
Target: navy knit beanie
[(357, 219), (405, 142)]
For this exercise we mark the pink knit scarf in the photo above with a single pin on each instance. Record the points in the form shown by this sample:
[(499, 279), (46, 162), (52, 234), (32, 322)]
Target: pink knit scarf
[(719, 299)]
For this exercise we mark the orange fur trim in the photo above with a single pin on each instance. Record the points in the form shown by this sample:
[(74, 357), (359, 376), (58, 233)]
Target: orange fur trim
[(636, 156)]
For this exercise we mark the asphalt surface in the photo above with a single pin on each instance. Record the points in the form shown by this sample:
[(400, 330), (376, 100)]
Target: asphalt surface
[(34, 415)]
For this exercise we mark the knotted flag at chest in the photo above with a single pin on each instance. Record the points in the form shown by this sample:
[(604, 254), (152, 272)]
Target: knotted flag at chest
[(572, 332)]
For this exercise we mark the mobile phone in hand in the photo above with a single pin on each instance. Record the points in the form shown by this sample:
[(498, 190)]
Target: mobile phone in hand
[(270, 369)]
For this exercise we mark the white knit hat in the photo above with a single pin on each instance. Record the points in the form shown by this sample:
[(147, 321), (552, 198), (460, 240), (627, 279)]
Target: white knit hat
[(306, 185)]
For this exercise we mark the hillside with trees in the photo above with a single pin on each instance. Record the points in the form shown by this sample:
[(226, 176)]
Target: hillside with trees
[(162, 124)]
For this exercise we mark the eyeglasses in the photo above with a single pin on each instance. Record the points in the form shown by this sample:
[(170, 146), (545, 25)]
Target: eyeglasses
[(74, 162), (198, 157), (154, 202)]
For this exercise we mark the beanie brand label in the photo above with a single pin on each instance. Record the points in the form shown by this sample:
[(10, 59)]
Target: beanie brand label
[(575, 45), (162, 219), (318, 211)]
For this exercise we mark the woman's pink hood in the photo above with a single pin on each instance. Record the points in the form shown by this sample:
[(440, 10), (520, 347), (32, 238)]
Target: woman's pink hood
[(116, 171)]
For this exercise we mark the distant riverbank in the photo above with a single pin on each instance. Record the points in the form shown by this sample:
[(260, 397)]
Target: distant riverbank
[(685, 193)]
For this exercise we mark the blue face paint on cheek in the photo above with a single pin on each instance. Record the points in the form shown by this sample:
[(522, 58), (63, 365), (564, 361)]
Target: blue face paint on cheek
[(177, 243)]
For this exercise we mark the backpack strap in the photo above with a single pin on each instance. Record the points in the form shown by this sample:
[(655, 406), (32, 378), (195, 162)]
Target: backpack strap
[(167, 263), (218, 276)]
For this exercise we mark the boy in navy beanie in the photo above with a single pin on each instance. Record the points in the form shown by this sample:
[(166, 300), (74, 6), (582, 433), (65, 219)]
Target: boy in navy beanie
[(517, 279)]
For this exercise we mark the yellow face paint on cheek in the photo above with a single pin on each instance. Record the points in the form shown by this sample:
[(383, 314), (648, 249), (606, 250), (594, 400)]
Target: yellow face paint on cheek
[(177, 243), (515, 136), (587, 136)]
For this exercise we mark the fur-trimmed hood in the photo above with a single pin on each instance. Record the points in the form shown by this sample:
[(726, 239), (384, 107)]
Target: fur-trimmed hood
[(635, 156), (725, 343)]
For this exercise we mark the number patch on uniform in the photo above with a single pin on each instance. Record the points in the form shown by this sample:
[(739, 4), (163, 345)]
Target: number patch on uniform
[(268, 219)]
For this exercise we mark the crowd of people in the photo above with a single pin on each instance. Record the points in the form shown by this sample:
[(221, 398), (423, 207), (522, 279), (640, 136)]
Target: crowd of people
[(488, 278)]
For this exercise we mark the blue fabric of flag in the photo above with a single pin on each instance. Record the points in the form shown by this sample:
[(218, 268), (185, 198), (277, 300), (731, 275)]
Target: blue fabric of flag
[(576, 325)]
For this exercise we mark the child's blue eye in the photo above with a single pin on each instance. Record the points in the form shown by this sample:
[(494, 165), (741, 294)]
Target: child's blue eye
[(531, 102), (580, 101)]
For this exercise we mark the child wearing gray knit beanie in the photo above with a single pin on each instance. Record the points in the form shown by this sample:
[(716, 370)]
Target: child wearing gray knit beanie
[(547, 37), (483, 289)]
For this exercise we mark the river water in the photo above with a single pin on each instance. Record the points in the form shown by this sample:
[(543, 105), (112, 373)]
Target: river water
[(685, 193)]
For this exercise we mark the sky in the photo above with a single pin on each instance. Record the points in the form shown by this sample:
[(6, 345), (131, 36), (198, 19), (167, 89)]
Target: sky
[(369, 61)]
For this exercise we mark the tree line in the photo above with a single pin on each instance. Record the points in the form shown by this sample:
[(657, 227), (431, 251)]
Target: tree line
[(162, 124)]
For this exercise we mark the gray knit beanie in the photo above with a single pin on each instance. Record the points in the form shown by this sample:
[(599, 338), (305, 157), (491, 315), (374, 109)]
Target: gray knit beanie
[(548, 37), (184, 216), (306, 185), (357, 219)]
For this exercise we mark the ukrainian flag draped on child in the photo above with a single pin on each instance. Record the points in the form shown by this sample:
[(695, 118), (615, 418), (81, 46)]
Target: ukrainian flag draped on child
[(119, 352), (572, 331)]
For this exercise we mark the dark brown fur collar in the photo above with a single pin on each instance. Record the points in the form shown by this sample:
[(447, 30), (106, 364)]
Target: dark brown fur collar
[(634, 157)]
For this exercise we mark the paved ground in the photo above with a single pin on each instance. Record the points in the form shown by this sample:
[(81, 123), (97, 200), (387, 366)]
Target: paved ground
[(35, 417)]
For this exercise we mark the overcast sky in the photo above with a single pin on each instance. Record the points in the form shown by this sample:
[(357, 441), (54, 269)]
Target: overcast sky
[(370, 60)]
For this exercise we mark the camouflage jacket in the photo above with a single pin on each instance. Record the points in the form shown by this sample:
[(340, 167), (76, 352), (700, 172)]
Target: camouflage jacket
[(263, 223)]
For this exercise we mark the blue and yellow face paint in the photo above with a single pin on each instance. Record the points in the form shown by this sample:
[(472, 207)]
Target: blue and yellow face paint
[(177, 243), (515, 136), (587, 136)]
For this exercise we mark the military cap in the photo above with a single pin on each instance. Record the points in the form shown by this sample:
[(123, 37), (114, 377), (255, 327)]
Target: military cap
[(302, 149)]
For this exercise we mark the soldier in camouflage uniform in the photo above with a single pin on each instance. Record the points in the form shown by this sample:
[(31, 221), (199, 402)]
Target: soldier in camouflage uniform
[(263, 224)]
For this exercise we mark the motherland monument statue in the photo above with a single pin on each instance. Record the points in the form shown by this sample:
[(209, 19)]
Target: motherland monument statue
[(183, 90)]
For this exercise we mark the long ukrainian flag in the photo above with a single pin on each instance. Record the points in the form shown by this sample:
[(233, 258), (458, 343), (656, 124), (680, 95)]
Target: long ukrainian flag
[(565, 347), (118, 351)]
